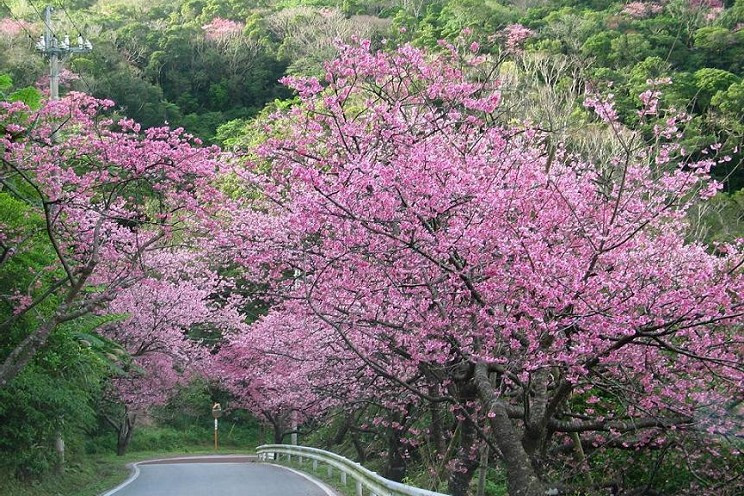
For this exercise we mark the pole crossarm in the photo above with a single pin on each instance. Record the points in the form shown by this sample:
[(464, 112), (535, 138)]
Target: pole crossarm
[(49, 44), (374, 483), (54, 49)]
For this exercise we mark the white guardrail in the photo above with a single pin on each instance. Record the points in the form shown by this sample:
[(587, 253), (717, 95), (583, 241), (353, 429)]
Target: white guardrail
[(375, 484)]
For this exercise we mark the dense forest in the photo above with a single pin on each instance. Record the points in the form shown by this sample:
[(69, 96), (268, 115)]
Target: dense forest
[(439, 237), (202, 65)]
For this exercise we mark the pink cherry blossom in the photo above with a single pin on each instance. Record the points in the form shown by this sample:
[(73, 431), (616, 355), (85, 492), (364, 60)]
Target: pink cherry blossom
[(412, 244), (516, 35), (10, 28), (97, 222), (220, 29)]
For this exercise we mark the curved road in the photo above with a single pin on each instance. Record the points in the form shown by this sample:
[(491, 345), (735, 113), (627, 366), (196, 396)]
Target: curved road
[(220, 476)]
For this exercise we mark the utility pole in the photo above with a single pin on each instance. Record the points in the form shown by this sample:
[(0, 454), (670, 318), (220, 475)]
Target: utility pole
[(51, 47)]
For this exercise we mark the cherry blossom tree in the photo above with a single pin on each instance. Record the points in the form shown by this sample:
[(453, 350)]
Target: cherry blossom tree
[(179, 296), (290, 369), (515, 35), (553, 301), (107, 194), (11, 28), (285, 369), (640, 10), (220, 29)]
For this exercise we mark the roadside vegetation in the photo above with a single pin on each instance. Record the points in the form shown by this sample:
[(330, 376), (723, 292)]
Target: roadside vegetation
[(92, 465)]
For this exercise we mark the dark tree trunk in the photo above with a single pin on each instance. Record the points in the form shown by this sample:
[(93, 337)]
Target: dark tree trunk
[(467, 461), (437, 436), (277, 426), (125, 431), (278, 433), (535, 431), (342, 430), (361, 453), (395, 468)]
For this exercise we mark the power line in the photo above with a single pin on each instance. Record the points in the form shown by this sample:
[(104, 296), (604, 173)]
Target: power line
[(62, 7), (43, 18)]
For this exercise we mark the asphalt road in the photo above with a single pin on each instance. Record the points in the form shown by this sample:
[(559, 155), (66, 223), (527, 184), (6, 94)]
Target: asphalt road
[(218, 477)]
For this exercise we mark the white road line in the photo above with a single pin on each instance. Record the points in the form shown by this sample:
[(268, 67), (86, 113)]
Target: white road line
[(324, 487), (135, 473)]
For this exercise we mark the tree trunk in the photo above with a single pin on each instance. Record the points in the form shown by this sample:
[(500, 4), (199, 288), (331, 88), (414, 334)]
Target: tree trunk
[(22, 354), (459, 479), (26, 349), (437, 437), (277, 428), (126, 429), (278, 432), (59, 447), (361, 454), (342, 430), (521, 478), (535, 432), (395, 468)]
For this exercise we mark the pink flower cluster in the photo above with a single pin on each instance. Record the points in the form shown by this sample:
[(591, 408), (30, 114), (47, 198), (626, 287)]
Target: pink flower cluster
[(641, 10), (66, 77), (10, 28), (706, 4), (516, 35), (221, 29), (603, 107), (713, 13)]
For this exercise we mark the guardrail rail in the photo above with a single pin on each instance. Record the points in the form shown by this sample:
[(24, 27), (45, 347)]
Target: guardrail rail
[(365, 479)]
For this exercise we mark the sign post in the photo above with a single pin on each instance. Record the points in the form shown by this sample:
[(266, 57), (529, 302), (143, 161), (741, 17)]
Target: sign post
[(216, 413)]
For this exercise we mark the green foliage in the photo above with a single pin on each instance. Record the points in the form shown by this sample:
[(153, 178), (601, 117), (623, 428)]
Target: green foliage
[(721, 47), (723, 217), (29, 96), (6, 82), (85, 476), (599, 46), (711, 81), (730, 100), (54, 394)]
